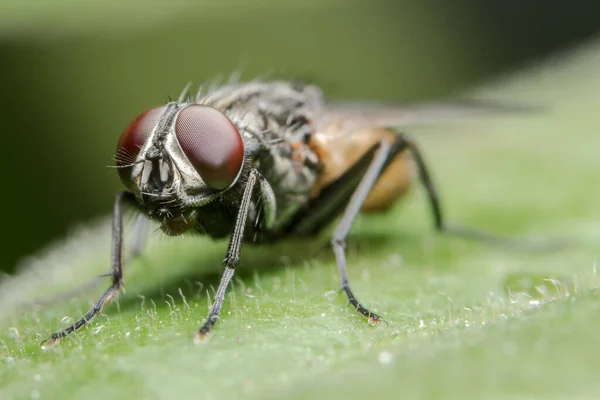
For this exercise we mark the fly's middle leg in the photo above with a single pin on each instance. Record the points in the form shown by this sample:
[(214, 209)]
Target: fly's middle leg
[(351, 211)]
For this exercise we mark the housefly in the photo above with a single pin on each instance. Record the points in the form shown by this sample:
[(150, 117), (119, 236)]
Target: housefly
[(262, 161)]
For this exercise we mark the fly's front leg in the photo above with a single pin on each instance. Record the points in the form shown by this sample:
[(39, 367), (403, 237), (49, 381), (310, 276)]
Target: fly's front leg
[(116, 275), (352, 209), (139, 240), (231, 261)]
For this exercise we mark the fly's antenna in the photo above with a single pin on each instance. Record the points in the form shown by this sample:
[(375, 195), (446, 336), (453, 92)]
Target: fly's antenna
[(185, 93)]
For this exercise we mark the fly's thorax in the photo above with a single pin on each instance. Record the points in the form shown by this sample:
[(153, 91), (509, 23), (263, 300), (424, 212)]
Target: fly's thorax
[(178, 157), (291, 169), (275, 119)]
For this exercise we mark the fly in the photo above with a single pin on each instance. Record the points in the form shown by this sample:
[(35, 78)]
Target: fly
[(262, 161)]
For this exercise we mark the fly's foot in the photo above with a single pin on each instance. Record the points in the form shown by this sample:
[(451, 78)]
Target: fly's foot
[(372, 318), (376, 320), (50, 343), (201, 337)]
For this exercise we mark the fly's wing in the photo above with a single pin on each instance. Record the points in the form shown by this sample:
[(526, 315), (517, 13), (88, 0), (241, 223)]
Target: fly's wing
[(345, 140), (343, 132), (349, 117)]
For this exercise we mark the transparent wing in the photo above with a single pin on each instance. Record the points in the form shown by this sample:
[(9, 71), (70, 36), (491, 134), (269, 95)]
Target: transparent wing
[(350, 117)]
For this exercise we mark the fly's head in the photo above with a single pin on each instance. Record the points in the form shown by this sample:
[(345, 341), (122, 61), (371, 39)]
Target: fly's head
[(178, 157)]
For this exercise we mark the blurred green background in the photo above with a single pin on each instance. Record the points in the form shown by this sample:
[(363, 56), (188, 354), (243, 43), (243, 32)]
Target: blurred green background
[(74, 73)]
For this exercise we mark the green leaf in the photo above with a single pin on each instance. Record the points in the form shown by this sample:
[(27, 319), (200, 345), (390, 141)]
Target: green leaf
[(466, 319)]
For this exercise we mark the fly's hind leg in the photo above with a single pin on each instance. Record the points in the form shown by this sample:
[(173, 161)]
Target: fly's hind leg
[(461, 231), (378, 163)]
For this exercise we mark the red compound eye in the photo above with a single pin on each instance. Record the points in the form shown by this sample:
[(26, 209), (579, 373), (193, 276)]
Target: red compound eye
[(133, 138), (212, 143)]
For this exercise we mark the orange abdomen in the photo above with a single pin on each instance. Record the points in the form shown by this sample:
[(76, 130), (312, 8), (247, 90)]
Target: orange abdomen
[(338, 152)]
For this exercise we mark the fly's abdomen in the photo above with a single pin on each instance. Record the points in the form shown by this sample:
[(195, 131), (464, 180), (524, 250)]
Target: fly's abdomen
[(338, 153)]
